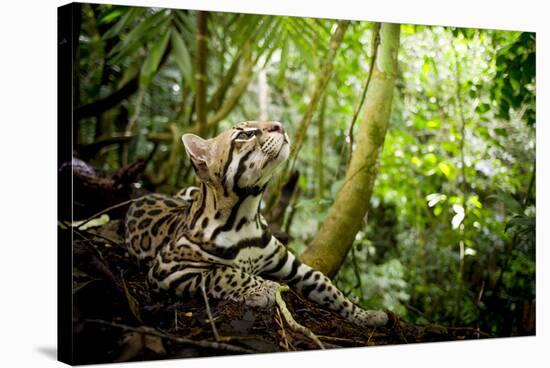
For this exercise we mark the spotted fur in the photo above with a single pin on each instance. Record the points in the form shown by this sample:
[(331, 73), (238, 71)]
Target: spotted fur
[(215, 234)]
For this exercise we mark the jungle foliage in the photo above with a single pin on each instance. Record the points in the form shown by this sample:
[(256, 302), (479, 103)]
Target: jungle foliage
[(450, 233)]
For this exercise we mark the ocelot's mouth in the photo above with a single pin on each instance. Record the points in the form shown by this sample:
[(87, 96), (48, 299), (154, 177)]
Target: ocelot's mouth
[(278, 152)]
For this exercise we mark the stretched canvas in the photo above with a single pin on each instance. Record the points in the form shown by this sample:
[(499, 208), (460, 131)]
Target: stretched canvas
[(248, 183)]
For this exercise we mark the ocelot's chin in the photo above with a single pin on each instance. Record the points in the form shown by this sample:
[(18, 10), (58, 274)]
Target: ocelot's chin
[(280, 157), (275, 162), (284, 152)]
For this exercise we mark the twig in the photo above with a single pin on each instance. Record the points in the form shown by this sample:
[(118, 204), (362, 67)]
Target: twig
[(88, 240), (279, 321), (182, 340), (133, 304), (133, 122), (105, 211), (320, 85), (470, 329), (341, 339), (239, 338), (399, 329), (210, 318), (370, 336), (201, 76), (356, 272), (417, 311), (93, 234), (375, 44), (295, 326)]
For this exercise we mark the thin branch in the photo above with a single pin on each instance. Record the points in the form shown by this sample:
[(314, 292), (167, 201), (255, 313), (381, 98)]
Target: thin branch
[(321, 82), (418, 312), (219, 94), (279, 320), (470, 329), (137, 111), (102, 237), (106, 103), (201, 71), (210, 318), (182, 340), (357, 273), (91, 149), (375, 44), (343, 339), (105, 211), (320, 161), (459, 106), (295, 326)]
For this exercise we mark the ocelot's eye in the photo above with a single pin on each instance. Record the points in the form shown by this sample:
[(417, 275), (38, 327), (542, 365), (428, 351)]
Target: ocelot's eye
[(246, 135)]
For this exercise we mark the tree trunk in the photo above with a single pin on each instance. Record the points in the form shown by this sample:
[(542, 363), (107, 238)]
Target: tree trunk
[(320, 149), (200, 75), (329, 248), (317, 92), (319, 88)]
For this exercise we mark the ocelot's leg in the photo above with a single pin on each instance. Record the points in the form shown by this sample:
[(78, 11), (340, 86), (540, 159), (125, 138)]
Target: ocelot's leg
[(220, 282), (315, 286)]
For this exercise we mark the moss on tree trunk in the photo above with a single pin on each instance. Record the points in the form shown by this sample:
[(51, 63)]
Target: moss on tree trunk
[(329, 248), (201, 71)]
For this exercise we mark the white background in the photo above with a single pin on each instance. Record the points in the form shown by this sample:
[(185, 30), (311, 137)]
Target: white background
[(28, 128)]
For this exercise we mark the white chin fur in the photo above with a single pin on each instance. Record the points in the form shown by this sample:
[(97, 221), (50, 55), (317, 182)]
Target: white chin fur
[(256, 178)]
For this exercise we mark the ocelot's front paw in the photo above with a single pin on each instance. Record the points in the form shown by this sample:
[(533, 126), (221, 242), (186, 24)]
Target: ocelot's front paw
[(261, 296), (373, 318)]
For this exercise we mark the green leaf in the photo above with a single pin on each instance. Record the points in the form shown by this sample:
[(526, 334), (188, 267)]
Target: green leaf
[(96, 222), (509, 201), (127, 18), (111, 16), (445, 168), (433, 124), (152, 61), (283, 64), (183, 59), (474, 200), (139, 35), (408, 28)]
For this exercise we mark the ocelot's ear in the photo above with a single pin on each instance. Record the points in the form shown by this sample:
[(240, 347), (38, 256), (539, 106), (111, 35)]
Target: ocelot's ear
[(198, 150)]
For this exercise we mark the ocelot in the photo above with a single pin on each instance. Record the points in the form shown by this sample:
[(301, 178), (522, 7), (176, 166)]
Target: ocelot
[(215, 237)]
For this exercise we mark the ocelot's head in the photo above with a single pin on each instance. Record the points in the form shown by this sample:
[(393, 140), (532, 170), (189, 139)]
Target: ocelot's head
[(242, 158)]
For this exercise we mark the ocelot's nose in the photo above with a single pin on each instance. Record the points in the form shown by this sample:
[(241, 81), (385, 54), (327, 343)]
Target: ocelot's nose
[(276, 127)]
